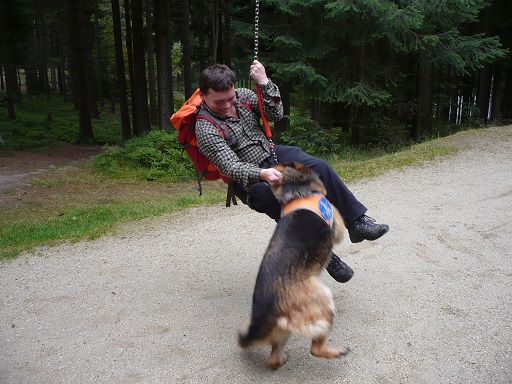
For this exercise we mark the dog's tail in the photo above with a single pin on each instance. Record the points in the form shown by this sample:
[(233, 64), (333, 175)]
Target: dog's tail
[(244, 340), (254, 333)]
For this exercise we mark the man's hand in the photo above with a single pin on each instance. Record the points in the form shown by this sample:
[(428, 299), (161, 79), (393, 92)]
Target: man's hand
[(257, 73), (270, 175)]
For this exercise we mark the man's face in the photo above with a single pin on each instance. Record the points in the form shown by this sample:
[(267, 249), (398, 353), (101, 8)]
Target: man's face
[(222, 102)]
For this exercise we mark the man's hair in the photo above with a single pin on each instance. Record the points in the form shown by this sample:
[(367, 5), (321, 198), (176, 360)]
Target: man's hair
[(218, 77)]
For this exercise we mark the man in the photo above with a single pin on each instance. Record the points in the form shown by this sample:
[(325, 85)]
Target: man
[(249, 160)]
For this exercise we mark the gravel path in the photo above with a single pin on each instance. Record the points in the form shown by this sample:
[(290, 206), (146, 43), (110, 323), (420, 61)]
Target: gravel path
[(431, 302)]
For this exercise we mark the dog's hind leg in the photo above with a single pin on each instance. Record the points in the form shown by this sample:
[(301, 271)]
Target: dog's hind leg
[(278, 356), (319, 348)]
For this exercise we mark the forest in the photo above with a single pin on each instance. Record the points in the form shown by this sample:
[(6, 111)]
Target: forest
[(356, 69)]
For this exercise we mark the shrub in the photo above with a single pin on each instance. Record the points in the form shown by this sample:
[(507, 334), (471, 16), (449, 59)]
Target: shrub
[(157, 156), (310, 137), (384, 134)]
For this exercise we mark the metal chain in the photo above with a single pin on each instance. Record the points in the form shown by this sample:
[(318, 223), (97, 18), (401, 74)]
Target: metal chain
[(256, 28), (256, 40)]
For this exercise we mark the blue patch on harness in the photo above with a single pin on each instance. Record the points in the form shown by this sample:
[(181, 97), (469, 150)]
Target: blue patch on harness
[(325, 209)]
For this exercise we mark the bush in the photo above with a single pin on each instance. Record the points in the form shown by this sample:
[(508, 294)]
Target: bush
[(384, 134), (310, 137), (157, 156)]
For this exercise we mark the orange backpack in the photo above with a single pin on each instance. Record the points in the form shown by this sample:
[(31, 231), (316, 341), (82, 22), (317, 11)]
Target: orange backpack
[(184, 120)]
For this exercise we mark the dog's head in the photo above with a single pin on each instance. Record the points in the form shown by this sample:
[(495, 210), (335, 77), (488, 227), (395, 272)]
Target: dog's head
[(298, 181)]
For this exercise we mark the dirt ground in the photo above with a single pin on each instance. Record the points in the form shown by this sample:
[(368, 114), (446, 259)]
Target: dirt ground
[(161, 300), (16, 169)]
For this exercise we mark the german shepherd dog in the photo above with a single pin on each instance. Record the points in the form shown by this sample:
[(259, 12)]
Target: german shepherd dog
[(288, 296)]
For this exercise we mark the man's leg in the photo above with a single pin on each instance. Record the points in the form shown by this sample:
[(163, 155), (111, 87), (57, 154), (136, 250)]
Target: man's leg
[(259, 198), (360, 227)]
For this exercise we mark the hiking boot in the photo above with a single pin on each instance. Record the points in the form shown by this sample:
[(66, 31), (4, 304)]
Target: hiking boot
[(365, 228), (338, 270)]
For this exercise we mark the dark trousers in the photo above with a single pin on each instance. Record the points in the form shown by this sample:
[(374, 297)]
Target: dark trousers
[(261, 199)]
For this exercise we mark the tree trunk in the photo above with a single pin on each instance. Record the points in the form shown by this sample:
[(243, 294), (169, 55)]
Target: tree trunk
[(44, 60), (454, 100), (506, 110), (201, 14), (216, 6), (226, 33), (120, 71), (18, 83), (92, 80), (98, 63), (425, 99), (497, 93), (153, 107), (467, 99), (78, 19), (163, 60), (53, 77), (345, 115), (129, 53), (424, 122), (2, 83), (443, 96), (187, 48), (483, 95), (37, 67), (6, 46), (61, 69), (10, 88), (354, 125), (60, 82), (31, 87), (140, 103)]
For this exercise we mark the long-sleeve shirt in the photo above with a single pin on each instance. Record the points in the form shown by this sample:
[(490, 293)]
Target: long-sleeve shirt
[(240, 162)]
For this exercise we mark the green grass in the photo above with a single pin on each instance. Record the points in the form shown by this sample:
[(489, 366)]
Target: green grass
[(367, 166), (90, 223)]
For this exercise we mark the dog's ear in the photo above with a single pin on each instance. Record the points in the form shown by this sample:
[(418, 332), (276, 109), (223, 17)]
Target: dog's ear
[(338, 227), (301, 168), (287, 164)]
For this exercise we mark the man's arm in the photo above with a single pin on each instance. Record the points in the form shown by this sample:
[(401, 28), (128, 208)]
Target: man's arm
[(271, 97)]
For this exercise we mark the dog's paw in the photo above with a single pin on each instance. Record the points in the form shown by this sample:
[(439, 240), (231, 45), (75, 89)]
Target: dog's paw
[(276, 360), (341, 350)]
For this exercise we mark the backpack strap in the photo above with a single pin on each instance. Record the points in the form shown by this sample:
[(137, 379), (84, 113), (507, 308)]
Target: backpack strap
[(221, 125), (223, 128), (230, 196)]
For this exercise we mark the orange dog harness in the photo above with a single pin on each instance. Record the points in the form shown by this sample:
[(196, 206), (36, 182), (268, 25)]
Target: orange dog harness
[(315, 203)]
